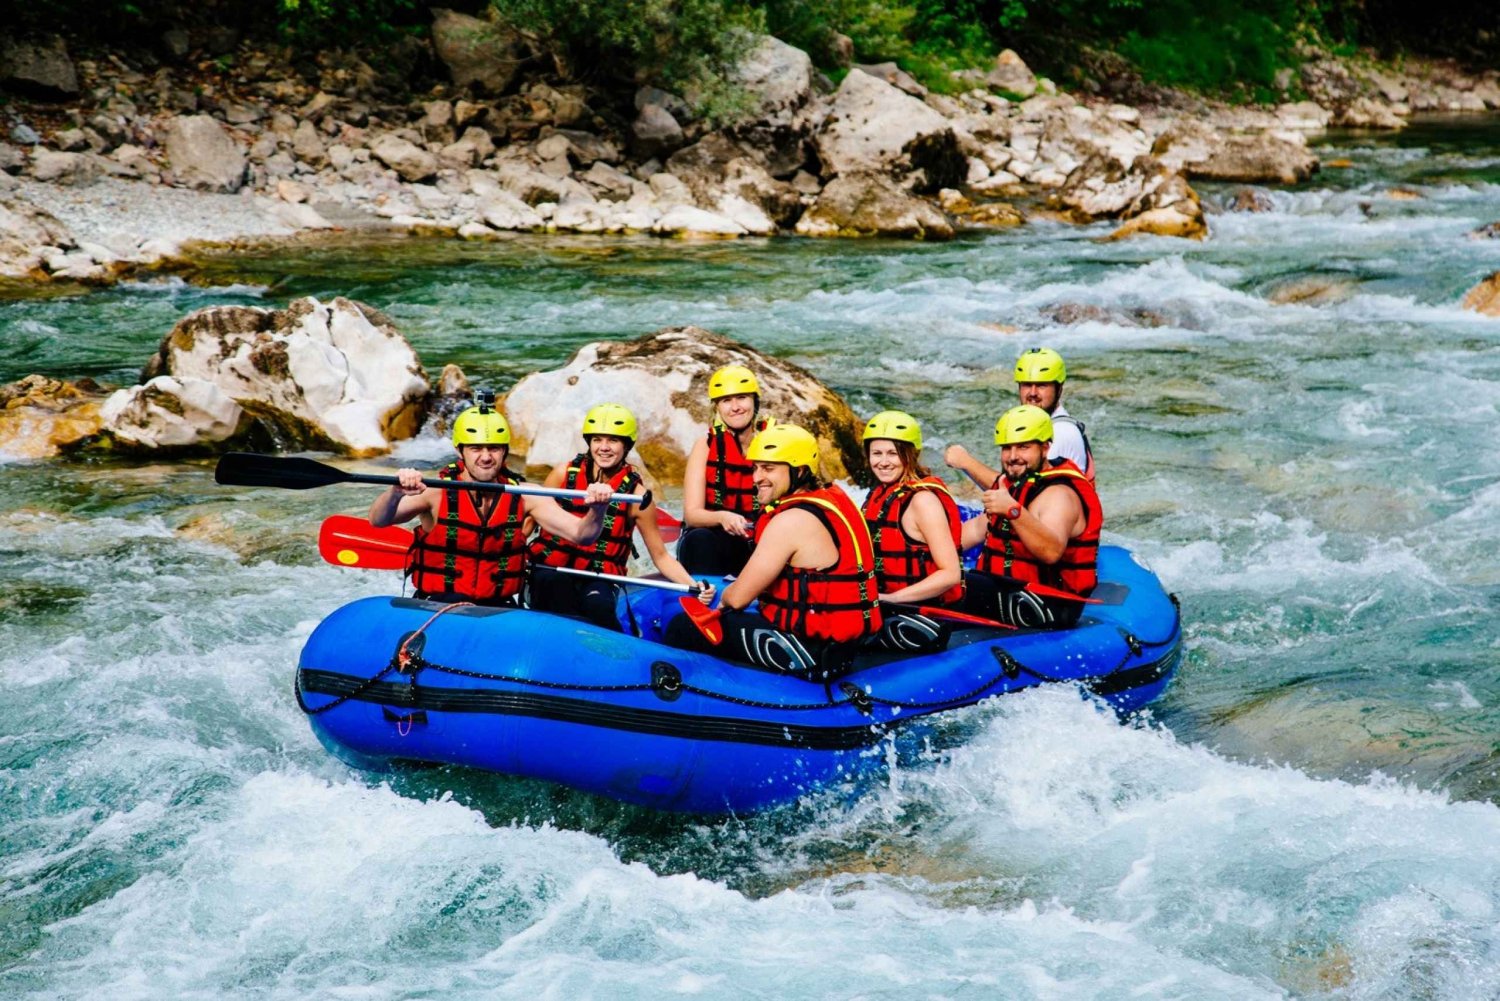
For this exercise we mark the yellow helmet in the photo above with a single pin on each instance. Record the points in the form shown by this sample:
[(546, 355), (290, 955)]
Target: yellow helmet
[(480, 426), (610, 418), (731, 380), (786, 443), (895, 425), (1041, 365), (1019, 425)]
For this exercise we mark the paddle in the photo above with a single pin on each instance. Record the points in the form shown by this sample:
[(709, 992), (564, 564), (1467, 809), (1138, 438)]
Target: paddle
[(347, 541), (705, 618), (662, 585), (290, 472), (947, 613), (669, 523)]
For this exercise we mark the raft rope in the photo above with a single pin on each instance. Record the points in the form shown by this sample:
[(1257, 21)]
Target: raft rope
[(1009, 668), (402, 660)]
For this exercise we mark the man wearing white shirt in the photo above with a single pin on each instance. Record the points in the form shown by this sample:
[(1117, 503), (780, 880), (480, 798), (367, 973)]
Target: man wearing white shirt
[(1040, 374)]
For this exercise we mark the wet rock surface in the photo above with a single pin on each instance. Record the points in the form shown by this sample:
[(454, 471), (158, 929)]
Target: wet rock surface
[(663, 378)]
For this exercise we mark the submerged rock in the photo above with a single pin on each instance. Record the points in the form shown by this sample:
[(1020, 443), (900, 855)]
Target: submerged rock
[(41, 417), (334, 376), (1485, 297), (663, 379)]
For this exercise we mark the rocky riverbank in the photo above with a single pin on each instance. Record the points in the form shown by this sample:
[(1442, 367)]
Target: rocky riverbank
[(107, 170)]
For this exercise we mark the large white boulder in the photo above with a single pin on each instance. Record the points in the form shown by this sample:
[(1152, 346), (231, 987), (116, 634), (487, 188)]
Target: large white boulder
[(874, 128), (331, 375), (777, 76), (171, 413), (663, 379)]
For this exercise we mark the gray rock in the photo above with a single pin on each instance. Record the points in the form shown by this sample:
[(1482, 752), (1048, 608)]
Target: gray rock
[(71, 140), (612, 183), (674, 105), (63, 168), (895, 76), (203, 155), (479, 54), (176, 43), (110, 127), (872, 205), (404, 157), (307, 145), (1012, 76), (335, 375), (873, 128), (38, 67), (779, 78), (470, 149), (12, 159), (24, 134), (655, 132)]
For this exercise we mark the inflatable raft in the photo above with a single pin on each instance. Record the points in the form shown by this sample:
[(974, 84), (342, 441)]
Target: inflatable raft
[(387, 680)]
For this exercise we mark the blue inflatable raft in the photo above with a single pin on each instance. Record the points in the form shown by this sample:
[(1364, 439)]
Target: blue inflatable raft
[(528, 693)]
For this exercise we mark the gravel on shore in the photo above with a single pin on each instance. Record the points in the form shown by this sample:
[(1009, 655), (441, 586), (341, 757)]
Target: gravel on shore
[(112, 211)]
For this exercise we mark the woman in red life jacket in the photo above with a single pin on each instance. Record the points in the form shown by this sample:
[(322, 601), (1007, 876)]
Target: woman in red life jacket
[(916, 526), (718, 492), (812, 570), (1041, 526), (609, 432), (471, 546)]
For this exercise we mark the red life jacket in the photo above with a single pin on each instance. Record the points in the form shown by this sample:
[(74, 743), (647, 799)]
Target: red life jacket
[(728, 476), (465, 553), (1005, 555), (839, 602), (612, 550), (900, 560)]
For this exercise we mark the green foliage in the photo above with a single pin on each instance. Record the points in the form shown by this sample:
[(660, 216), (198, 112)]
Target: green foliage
[(683, 44), (317, 24), (1210, 44)]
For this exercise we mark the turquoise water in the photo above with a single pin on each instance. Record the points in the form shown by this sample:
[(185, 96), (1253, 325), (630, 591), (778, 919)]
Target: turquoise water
[(1312, 811)]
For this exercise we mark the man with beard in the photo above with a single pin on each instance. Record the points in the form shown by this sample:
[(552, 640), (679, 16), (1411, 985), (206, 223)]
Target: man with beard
[(1040, 374), (1041, 526), (471, 545)]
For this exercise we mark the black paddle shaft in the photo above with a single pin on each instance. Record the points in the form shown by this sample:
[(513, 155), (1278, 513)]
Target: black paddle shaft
[(291, 472)]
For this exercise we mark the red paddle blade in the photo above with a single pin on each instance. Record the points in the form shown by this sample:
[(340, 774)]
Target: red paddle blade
[(346, 541), (669, 524), (705, 618)]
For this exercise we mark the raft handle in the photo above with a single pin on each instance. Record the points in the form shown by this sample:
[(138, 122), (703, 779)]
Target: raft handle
[(666, 681), (1008, 664), (858, 697)]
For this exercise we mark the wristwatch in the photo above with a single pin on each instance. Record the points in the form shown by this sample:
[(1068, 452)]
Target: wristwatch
[(1014, 512)]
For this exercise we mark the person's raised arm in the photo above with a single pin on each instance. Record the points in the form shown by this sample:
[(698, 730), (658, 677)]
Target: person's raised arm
[(957, 457), (402, 502), (581, 531)]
